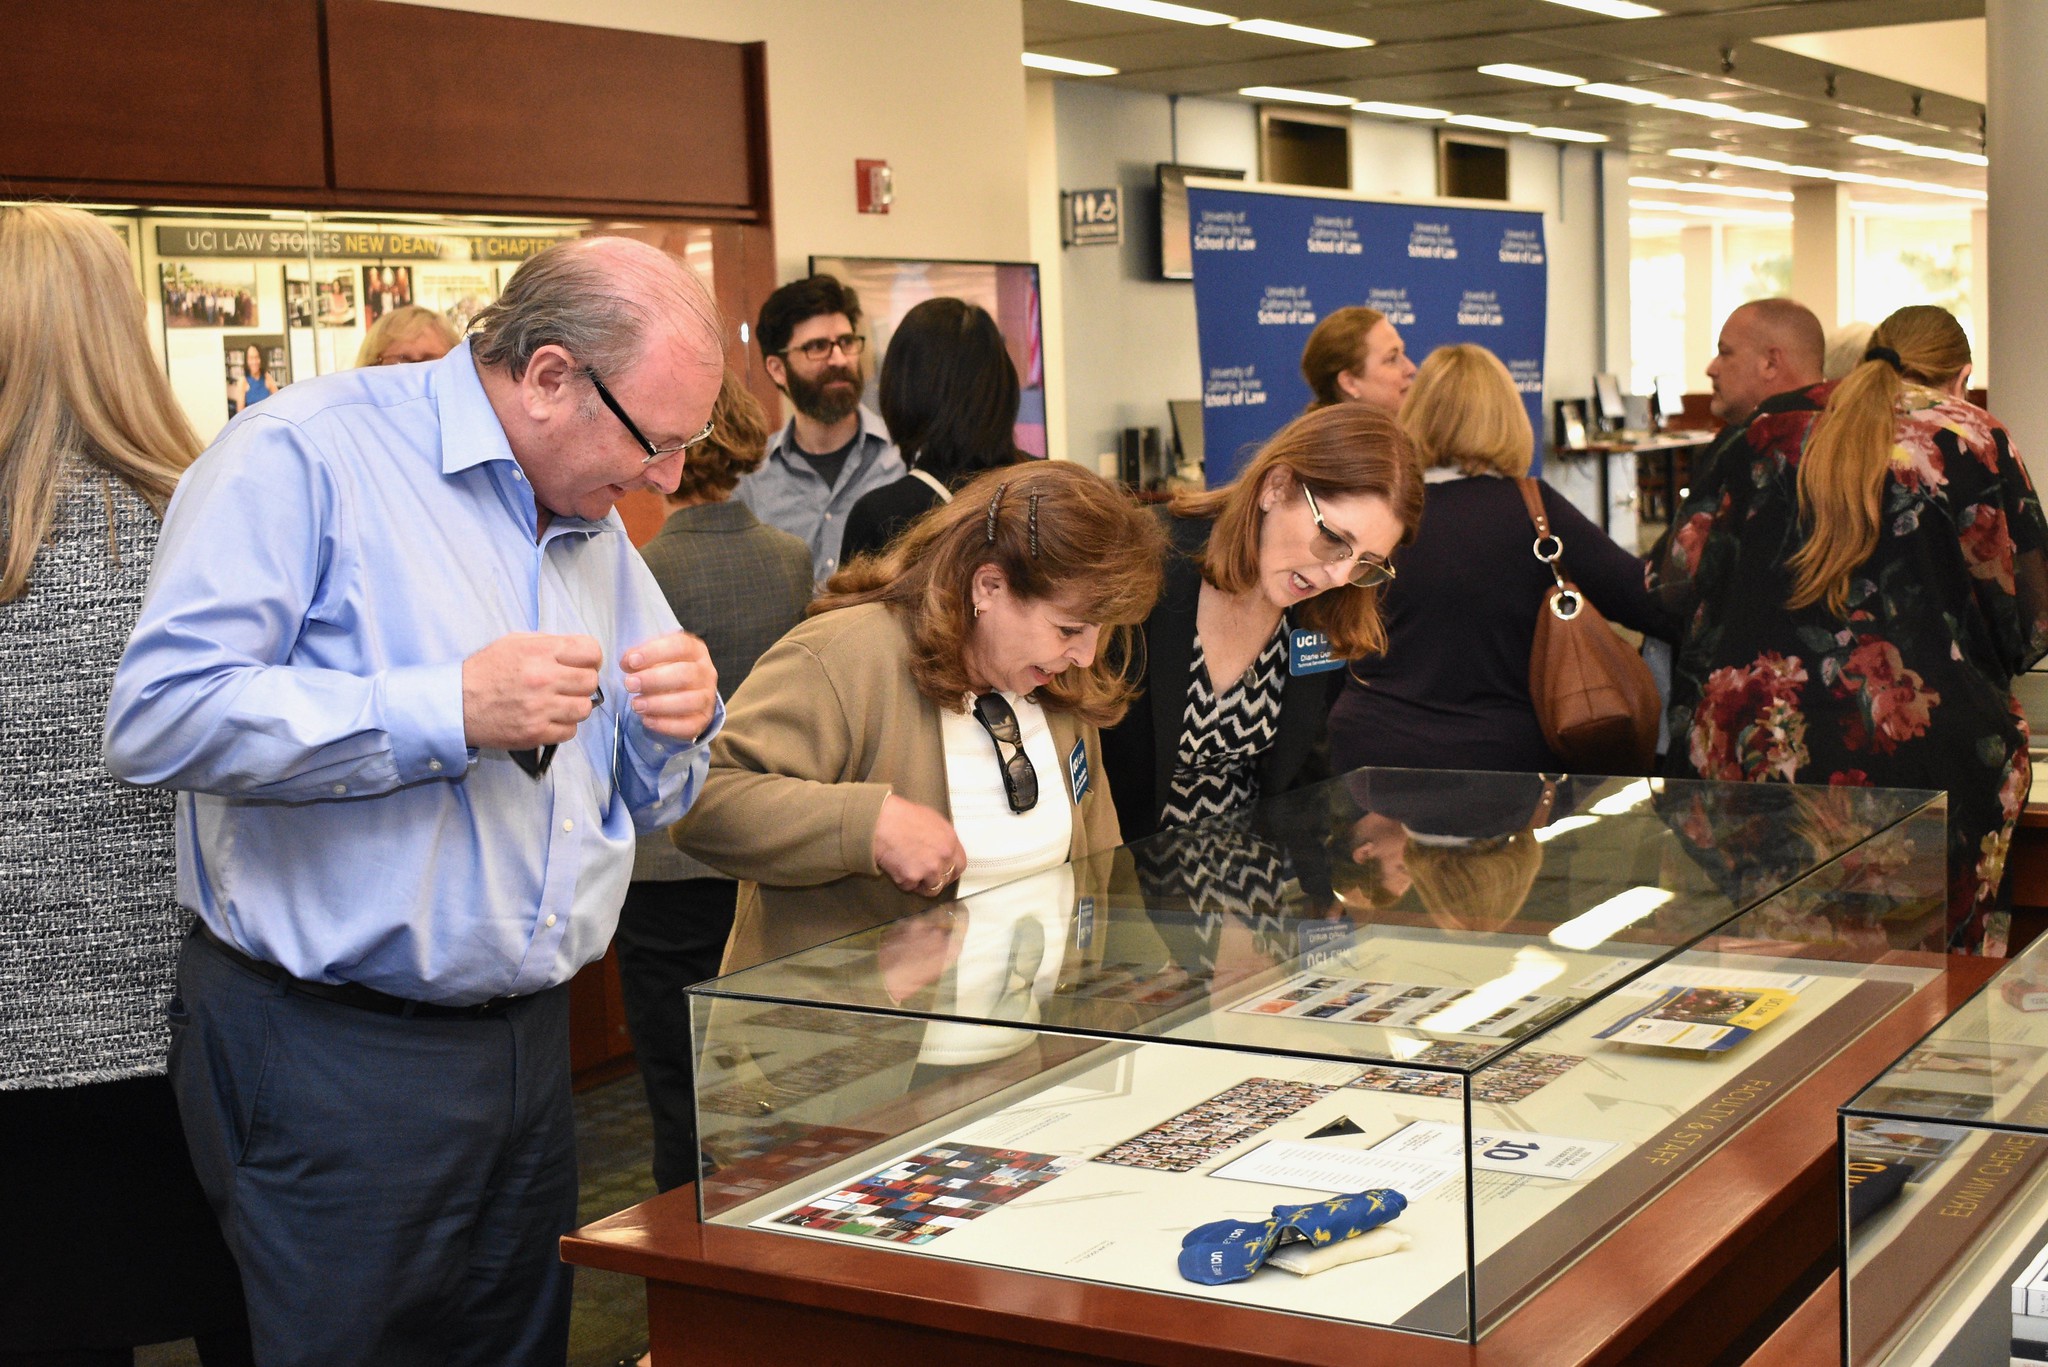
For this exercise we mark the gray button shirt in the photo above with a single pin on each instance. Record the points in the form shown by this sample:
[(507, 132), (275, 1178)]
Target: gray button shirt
[(786, 491)]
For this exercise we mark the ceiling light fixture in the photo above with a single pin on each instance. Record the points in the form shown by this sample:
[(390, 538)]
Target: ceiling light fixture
[(1613, 9), (1700, 187), (1568, 135), (1066, 66), (1919, 149), (1627, 94), (1280, 92), (1711, 109), (1535, 75), (1715, 211), (1400, 111), (1490, 123), (1158, 9), (1300, 33), (1822, 173)]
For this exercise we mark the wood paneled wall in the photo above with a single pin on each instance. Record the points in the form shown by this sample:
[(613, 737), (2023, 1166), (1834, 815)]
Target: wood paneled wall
[(366, 104)]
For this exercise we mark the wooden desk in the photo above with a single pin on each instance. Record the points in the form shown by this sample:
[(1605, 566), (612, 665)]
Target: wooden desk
[(1676, 1285)]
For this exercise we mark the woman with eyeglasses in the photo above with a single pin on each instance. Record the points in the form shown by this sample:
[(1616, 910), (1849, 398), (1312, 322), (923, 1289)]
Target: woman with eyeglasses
[(1451, 690), (933, 724), (1272, 582)]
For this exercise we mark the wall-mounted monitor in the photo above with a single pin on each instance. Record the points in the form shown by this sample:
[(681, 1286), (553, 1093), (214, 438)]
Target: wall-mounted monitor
[(890, 287), (1176, 250)]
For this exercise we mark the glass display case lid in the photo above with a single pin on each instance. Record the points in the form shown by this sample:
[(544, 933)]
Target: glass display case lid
[(1434, 919), (1986, 1065)]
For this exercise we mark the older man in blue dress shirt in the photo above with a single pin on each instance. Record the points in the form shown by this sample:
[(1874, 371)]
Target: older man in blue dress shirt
[(418, 693)]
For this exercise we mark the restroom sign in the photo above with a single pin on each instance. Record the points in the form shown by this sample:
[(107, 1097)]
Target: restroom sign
[(1093, 218)]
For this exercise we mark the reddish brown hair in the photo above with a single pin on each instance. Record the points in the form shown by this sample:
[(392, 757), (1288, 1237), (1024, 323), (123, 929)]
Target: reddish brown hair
[(1337, 345), (1347, 448), (1092, 549), (737, 445)]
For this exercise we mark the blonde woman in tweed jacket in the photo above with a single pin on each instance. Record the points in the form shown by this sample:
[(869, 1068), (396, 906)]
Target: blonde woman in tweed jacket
[(125, 1251)]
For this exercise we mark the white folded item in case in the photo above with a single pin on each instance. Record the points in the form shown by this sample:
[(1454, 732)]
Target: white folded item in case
[(1306, 1259)]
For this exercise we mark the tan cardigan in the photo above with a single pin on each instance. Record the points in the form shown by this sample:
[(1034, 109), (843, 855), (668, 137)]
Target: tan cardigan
[(828, 724)]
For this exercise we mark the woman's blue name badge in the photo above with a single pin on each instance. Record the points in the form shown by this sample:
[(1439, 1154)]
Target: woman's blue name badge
[(1077, 770), (1308, 652)]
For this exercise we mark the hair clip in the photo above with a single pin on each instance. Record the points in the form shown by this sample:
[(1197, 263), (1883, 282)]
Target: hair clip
[(1887, 355), (1031, 521), (994, 507)]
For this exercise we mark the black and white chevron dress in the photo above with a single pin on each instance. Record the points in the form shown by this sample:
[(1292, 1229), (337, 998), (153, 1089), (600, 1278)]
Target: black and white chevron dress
[(1215, 769)]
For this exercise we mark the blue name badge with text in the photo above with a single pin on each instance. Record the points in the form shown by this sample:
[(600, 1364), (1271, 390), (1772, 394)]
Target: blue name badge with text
[(1308, 652), (1077, 770)]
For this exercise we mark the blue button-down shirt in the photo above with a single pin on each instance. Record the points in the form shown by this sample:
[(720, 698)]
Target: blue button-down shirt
[(296, 672), (787, 492)]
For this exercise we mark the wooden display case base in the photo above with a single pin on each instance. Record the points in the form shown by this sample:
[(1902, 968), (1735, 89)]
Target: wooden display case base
[(1682, 1283)]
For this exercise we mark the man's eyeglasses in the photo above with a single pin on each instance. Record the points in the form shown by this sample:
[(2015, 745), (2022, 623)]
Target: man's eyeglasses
[(1367, 571), (654, 453), (818, 348), (1020, 780)]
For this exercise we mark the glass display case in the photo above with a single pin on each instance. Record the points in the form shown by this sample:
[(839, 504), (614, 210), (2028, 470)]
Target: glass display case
[(1944, 1201), (1395, 1050)]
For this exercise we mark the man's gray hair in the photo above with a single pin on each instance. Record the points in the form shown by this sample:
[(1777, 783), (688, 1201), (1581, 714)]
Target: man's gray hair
[(599, 299)]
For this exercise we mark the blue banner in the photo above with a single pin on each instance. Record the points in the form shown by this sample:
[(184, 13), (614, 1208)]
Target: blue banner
[(1270, 263)]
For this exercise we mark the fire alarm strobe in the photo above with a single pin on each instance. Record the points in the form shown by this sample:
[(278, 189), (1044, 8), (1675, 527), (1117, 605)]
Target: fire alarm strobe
[(874, 186)]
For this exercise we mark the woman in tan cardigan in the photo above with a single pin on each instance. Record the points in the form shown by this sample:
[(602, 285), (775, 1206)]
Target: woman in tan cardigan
[(933, 725)]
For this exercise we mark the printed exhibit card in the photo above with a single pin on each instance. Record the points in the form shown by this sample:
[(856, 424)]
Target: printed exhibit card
[(1325, 1167), (1707, 1019), (1526, 1155)]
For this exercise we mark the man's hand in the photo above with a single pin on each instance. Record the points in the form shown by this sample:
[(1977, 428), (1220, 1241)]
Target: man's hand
[(917, 848), (528, 690), (673, 684)]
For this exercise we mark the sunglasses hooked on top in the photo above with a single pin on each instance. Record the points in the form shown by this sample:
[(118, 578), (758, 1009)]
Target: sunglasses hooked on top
[(1367, 571), (654, 453), (1020, 780), (536, 762)]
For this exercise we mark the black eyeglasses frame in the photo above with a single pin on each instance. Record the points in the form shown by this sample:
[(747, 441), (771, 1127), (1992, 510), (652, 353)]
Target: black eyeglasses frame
[(654, 453), (1020, 778)]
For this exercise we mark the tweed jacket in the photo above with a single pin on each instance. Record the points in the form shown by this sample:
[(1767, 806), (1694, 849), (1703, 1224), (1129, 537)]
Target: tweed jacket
[(829, 724), (88, 870), (738, 584), (1142, 747)]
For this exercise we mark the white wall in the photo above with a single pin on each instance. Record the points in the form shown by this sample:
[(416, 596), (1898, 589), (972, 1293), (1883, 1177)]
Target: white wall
[(1130, 337), (933, 87)]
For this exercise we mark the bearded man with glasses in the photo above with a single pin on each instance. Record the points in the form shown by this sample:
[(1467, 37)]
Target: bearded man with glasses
[(417, 696), (833, 449)]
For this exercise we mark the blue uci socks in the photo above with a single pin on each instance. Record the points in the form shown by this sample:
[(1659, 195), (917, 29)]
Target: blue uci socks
[(1231, 1250)]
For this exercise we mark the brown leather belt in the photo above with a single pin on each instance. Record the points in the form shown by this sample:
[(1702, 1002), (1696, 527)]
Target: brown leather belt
[(353, 994)]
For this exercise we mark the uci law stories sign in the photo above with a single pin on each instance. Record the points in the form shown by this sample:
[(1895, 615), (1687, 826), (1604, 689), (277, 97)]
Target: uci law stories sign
[(1271, 263)]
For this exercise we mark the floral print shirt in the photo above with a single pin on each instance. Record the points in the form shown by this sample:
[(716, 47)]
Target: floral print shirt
[(1912, 688)]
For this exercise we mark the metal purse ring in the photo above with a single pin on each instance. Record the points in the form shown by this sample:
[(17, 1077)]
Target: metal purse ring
[(1557, 604), (1556, 548)]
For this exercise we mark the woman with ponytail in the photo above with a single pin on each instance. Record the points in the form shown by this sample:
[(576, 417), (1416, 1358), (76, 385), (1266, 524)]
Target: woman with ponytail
[(1862, 579)]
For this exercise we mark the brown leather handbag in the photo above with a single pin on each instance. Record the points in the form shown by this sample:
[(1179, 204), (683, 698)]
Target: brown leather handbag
[(1594, 696)]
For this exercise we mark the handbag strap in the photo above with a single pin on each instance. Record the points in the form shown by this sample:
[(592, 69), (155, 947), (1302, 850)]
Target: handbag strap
[(932, 481), (1565, 603)]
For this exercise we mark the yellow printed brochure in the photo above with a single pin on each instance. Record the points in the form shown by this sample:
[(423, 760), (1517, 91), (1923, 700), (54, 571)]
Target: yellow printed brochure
[(1707, 1019)]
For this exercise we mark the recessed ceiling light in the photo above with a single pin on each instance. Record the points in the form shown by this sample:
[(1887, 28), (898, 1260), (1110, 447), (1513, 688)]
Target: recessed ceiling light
[(1158, 9), (1273, 28), (1627, 94), (1712, 109), (1822, 173), (1613, 9), (1493, 124), (1569, 135), (1281, 92), (1066, 66), (1400, 111), (1535, 75), (1658, 206), (1918, 149), (1701, 187)]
